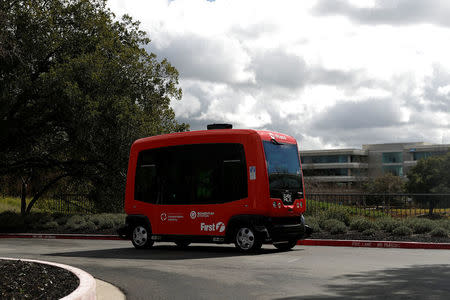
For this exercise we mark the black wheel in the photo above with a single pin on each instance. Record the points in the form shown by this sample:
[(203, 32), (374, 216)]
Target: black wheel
[(285, 246), (140, 237), (246, 239), (182, 244)]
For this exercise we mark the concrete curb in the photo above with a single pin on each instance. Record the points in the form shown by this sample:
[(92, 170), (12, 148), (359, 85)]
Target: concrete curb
[(307, 242), (374, 244), (85, 291)]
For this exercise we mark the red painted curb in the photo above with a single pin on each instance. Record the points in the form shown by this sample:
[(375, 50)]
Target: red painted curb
[(374, 244), (60, 236), (309, 242)]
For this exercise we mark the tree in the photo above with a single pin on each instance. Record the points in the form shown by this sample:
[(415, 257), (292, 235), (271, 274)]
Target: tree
[(430, 176), (77, 88), (386, 184)]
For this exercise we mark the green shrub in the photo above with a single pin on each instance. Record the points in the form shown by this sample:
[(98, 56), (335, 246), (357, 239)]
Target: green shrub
[(388, 224), (105, 222), (439, 232), (338, 213), (87, 226), (75, 222), (313, 208), (369, 232), (51, 225), (419, 225), (33, 219), (94, 219), (313, 222), (402, 231), (75, 219), (361, 224), (11, 220), (334, 226), (445, 223), (62, 220)]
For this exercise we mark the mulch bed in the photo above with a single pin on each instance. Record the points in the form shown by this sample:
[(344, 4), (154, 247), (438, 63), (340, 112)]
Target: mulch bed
[(30, 280)]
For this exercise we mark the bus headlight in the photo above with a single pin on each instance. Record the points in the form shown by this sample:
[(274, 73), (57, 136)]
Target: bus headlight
[(275, 204)]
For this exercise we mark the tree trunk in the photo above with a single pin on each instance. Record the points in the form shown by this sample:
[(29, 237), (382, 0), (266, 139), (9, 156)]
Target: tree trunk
[(23, 197), (43, 190)]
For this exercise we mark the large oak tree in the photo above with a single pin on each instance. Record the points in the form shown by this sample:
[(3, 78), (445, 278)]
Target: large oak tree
[(76, 89)]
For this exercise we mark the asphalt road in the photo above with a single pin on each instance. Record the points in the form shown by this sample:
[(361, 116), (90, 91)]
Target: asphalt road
[(220, 272)]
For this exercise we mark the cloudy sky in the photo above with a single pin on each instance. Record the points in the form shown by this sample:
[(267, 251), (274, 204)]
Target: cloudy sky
[(333, 74)]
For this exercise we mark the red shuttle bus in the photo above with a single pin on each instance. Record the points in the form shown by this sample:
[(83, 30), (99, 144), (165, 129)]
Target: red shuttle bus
[(219, 185)]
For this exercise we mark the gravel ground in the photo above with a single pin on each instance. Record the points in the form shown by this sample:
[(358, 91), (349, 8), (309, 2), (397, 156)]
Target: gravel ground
[(29, 280)]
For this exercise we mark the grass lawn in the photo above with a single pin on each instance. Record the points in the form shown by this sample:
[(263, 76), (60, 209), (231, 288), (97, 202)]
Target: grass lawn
[(9, 203)]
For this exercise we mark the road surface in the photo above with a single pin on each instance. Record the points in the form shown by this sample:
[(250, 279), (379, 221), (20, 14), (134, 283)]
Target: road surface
[(220, 272)]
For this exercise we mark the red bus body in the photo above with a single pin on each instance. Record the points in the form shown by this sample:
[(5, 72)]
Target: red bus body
[(273, 220)]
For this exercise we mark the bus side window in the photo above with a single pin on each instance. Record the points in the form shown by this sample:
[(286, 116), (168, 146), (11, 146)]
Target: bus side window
[(146, 181), (234, 181)]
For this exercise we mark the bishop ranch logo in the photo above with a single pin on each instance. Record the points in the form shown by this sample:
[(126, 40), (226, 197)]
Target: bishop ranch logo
[(219, 226)]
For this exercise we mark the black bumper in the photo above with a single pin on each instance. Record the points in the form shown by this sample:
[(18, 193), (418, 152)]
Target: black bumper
[(287, 229)]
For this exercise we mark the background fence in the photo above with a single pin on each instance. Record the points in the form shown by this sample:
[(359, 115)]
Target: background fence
[(68, 203), (372, 205), (396, 205)]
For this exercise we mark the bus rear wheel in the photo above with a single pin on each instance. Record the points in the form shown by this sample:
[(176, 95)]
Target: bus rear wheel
[(246, 239), (140, 237)]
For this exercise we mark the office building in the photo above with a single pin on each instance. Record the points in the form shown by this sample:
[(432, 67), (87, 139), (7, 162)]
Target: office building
[(349, 168)]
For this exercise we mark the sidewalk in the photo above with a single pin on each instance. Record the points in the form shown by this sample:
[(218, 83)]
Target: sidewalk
[(107, 291)]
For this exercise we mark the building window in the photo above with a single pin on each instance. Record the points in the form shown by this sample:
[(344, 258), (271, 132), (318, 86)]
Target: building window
[(359, 159), (392, 157), (395, 170), (423, 155), (324, 159), (325, 172)]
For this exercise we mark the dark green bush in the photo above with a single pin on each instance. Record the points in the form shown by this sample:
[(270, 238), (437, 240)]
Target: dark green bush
[(419, 225), (387, 224), (369, 232), (439, 232), (445, 223), (52, 225), (87, 226), (334, 226), (338, 213), (361, 224), (11, 220), (402, 231), (313, 222)]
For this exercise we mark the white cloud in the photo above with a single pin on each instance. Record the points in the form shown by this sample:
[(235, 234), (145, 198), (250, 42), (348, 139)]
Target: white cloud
[(331, 73)]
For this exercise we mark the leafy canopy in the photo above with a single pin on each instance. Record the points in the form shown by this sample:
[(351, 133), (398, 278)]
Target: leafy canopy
[(430, 175), (77, 88)]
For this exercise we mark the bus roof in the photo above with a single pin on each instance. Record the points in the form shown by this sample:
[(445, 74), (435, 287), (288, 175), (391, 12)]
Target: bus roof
[(265, 135)]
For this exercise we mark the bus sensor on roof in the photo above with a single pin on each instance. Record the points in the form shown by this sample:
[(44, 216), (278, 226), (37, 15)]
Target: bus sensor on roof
[(219, 126)]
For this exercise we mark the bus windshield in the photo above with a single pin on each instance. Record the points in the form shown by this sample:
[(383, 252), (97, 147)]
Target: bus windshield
[(283, 168)]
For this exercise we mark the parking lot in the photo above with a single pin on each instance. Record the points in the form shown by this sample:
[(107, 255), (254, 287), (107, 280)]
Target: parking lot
[(220, 272)]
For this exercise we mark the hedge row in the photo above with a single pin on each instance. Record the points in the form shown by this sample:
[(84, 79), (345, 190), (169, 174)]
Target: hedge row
[(340, 220), (57, 222)]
